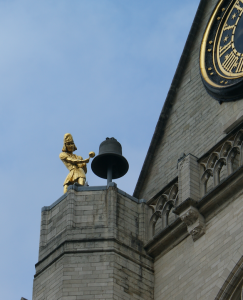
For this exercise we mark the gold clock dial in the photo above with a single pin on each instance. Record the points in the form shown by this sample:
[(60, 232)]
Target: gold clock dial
[(221, 55)]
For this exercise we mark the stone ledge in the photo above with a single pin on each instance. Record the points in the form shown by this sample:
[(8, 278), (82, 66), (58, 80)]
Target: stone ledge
[(184, 205), (167, 238)]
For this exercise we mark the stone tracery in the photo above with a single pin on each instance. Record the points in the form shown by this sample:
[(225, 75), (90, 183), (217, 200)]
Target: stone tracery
[(229, 155), (162, 209)]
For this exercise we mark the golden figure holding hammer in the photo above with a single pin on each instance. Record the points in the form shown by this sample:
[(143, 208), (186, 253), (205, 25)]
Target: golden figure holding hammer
[(75, 164)]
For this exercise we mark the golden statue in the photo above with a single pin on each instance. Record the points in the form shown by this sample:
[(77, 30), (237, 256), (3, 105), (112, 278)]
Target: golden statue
[(75, 164)]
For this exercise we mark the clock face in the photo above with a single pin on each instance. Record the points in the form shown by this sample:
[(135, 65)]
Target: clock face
[(221, 54)]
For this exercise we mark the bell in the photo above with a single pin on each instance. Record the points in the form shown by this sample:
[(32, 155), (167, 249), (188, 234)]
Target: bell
[(110, 163)]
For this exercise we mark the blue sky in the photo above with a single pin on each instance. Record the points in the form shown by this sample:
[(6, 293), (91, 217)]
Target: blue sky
[(94, 68)]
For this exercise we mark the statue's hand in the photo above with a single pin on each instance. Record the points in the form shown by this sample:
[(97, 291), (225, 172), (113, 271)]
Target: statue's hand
[(85, 160)]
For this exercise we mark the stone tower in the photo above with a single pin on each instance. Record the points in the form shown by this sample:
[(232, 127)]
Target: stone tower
[(91, 247), (180, 236)]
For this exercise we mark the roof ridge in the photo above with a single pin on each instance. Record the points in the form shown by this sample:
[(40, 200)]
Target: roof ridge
[(159, 129)]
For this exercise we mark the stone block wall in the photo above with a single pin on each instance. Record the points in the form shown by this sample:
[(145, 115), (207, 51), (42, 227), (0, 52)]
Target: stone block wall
[(75, 217), (91, 247), (200, 254), (193, 270)]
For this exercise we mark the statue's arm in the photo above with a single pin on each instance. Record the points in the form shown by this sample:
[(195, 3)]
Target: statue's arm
[(72, 160)]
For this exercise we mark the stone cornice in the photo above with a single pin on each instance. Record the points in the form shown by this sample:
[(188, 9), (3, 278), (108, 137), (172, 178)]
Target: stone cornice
[(166, 239), (184, 205)]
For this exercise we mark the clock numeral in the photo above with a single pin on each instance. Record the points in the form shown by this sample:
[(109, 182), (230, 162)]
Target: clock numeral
[(240, 66), (230, 62), (228, 27), (224, 48), (239, 8)]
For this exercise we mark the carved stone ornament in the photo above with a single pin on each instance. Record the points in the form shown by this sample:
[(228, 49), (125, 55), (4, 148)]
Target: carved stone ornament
[(194, 221), (189, 217)]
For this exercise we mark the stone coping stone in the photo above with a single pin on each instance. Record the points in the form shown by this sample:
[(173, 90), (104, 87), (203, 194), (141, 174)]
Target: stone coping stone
[(80, 188)]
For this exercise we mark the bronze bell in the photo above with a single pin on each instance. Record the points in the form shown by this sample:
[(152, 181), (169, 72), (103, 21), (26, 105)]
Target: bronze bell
[(110, 163)]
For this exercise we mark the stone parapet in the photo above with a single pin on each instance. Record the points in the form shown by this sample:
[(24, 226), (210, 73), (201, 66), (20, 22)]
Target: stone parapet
[(194, 215)]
